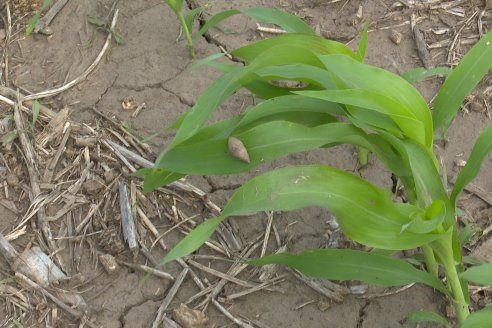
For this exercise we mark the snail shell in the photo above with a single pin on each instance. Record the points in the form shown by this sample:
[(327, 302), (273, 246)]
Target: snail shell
[(237, 149)]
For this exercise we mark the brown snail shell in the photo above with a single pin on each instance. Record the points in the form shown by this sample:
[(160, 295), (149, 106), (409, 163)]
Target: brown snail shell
[(237, 149)]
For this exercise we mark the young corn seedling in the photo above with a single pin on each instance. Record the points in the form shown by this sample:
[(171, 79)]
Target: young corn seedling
[(341, 100), (267, 15)]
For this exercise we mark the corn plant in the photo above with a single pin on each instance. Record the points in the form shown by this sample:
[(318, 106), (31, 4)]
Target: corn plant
[(341, 100), (267, 15)]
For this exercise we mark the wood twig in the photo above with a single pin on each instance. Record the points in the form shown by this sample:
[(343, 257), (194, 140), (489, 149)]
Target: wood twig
[(169, 297), (155, 272), (48, 17), (127, 220)]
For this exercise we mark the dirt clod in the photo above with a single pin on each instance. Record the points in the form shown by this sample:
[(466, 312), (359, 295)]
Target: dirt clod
[(396, 37), (189, 318)]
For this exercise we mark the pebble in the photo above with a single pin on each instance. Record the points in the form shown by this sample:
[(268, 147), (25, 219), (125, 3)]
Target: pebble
[(396, 37)]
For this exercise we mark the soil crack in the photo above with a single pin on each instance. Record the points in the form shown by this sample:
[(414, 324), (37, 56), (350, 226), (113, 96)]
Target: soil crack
[(362, 314), (138, 88), (215, 187), (106, 90), (180, 98), (192, 4)]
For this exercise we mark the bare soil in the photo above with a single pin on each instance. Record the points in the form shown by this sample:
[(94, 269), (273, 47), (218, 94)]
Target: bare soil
[(152, 66)]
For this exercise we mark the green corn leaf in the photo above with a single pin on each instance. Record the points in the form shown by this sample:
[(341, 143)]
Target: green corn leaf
[(366, 99), (176, 5), (480, 150), (191, 16), (217, 93), (313, 43), (193, 240), (356, 75), (480, 319), (347, 264), (425, 174), (206, 152), (211, 61), (415, 317), (461, 82), (290, 23), (429, 187), (225, 86), (286, 104), (216, 19), (361, 51), (466, 234), (367, 216), (419, 74), (156, 177), (314, 76), (427, 221), (265, 142), (479, 274)]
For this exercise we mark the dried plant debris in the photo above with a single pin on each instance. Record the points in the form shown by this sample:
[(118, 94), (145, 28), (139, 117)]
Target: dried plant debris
[(89, 205)]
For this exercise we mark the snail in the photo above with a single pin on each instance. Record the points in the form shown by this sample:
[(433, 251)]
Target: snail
[(237, 149)]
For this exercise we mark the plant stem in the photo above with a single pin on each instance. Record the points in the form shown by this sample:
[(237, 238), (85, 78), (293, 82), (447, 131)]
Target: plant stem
[(430, 260), (459, 299), (189, 38)]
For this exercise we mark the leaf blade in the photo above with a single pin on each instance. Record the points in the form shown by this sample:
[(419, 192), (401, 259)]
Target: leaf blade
[(480, 150), (479, 274), (216, 19), (347, 264), (290, 23), (426, 316), (461, 82), (479, 319)]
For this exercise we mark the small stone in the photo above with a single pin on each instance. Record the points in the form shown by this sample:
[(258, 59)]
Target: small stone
[(109, 263), (460, 162), (396, 37)]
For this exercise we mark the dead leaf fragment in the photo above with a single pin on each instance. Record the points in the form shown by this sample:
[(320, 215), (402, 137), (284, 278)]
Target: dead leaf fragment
[(237, 149), (128, 103), (109, 263), (189, 318)]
